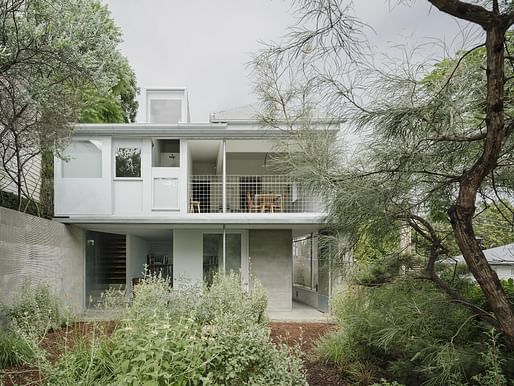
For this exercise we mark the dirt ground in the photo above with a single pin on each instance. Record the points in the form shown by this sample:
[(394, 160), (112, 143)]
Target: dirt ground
[(318, 373), (306, 334)]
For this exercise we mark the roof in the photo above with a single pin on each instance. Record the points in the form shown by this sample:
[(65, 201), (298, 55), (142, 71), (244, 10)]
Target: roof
[(241, 113), (181, 130), (502, 255), (250, 114)]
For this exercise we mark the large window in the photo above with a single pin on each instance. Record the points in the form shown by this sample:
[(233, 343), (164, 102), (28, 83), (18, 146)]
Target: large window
[(128, 162), (305, 262), (82, 159)]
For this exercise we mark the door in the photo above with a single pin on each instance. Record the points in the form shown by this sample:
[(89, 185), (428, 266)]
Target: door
[(235, 259)]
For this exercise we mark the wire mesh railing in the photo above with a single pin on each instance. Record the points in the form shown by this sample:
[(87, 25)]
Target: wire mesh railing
[(249, 194)]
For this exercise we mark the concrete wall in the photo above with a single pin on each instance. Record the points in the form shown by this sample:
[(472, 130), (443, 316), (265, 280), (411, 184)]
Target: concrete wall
[(187, 255), (306, 296), (32, 248), (271, 263), (137, 249)]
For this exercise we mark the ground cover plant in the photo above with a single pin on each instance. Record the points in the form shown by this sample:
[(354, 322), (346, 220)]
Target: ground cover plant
[(187, 336)]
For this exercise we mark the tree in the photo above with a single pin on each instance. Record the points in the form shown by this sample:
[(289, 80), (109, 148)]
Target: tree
[(435, 147), (52, 54)]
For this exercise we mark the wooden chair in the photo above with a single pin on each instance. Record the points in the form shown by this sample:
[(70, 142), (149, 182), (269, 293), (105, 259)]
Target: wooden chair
[(194, 205), (250, 204)]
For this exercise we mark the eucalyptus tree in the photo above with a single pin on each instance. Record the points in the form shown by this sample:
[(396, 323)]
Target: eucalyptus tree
[(52, 53), (437, 143)]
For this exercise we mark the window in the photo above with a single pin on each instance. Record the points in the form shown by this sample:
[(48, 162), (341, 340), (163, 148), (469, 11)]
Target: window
[(165, 110), (83, 159), (165, 193), (128, 162), (213, 254)]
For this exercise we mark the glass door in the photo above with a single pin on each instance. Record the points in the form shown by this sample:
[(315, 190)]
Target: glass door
[(234, 259)]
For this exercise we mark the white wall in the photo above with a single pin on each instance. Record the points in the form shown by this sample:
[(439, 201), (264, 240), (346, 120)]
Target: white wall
[(137, 249), (504, 272), (187, 255)]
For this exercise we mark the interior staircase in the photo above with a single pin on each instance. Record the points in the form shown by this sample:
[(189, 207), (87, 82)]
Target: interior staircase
[(112, 260)]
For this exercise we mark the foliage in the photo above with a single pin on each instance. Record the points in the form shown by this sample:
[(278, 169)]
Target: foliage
[(118, 105), (10, 200), (413, 331), (57, 58), (35, 311), (433, 142), (186, 336), (14, 350)]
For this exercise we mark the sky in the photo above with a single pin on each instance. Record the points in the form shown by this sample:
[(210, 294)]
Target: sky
[(205, 45)]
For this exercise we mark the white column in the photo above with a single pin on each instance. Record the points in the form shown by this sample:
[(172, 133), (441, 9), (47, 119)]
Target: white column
[(224, 177)]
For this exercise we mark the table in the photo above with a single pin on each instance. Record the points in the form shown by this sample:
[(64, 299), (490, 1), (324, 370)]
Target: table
[(270, 201)]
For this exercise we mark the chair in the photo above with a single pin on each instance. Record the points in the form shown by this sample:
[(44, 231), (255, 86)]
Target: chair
[(250, 204), (193, 204)]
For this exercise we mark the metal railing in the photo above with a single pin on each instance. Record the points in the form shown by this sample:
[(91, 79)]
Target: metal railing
[(249, 194)]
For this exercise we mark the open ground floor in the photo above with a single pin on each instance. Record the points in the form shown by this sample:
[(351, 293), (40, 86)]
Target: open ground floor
[(289, 263)]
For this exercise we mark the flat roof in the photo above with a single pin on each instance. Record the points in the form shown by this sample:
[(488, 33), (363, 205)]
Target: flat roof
[(199, 219), (183, 130)]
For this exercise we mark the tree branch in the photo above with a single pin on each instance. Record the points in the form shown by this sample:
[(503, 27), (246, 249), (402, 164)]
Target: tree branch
[(470, 12)]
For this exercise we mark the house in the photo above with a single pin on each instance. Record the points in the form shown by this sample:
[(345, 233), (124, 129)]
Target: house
[(188, 199), (501, 260)]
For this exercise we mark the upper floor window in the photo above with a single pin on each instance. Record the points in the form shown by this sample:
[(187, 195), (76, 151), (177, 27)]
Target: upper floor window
[(82, 159), (165, 111), (128, 162), (167, 106)]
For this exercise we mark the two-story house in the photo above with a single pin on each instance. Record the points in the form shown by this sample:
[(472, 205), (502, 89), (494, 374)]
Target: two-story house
[(188, 199)]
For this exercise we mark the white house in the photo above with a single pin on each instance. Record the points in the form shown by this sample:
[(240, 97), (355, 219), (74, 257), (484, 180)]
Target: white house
[(188, 199), (501, 259)]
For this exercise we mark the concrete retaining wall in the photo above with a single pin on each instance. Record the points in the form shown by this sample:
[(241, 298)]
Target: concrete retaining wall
[(271, 262), (39, 250)]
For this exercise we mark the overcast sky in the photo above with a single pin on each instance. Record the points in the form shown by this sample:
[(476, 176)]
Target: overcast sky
[(204, 45)]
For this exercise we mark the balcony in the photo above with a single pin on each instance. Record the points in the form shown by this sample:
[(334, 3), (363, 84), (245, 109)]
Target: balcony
[(249, 194)]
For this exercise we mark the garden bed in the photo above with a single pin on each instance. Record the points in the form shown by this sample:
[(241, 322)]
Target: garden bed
[(306, 334)]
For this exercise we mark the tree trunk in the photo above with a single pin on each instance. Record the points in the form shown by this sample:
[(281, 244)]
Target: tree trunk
[(461, 214)]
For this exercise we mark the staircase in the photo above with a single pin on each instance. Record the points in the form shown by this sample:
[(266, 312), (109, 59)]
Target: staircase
[(112, 260)]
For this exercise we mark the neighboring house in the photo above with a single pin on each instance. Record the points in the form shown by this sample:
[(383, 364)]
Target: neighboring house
[(30, 181), (501, 259), (189, 199)]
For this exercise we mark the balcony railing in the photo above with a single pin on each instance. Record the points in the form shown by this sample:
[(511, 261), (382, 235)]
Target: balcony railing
[(249, 194)]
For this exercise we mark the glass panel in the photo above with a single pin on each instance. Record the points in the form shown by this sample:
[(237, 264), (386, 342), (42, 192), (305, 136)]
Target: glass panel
[(128, 162), (233, 255), (84, 160), (212, 255), (302, 262), (165, 193), (165, 110)]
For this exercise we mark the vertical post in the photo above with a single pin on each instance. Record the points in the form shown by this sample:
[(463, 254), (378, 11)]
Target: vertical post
[(224, 178), (224, 249)]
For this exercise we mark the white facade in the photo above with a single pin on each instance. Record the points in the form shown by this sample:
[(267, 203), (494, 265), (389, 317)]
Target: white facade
[(197, 195)]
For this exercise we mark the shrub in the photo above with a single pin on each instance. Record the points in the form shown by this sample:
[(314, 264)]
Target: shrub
[(410, 329), (187, 336), (35, 311), (14, 350)]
